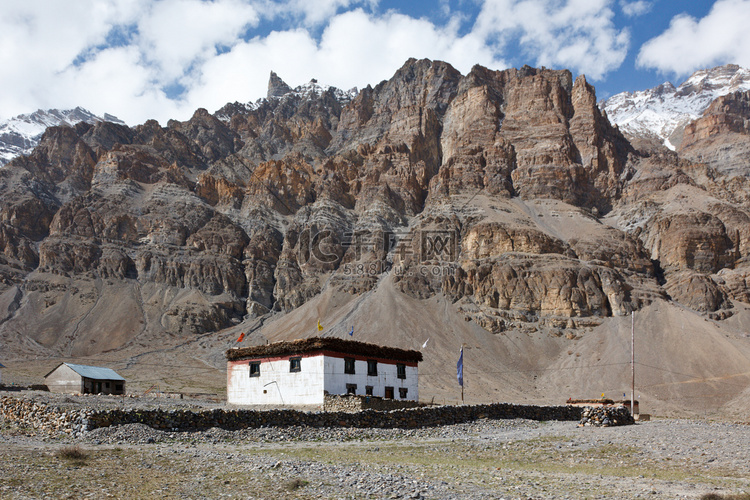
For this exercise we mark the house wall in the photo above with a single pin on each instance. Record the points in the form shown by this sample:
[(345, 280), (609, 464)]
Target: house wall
[(64, 380), (276, 385), (91, 386), (336, 380)]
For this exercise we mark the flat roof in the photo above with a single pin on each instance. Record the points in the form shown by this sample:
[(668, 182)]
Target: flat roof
[(331, 344)]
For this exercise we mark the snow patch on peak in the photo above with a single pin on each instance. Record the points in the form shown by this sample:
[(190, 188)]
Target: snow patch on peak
[(660, 111), (20, 134), (313, 90)]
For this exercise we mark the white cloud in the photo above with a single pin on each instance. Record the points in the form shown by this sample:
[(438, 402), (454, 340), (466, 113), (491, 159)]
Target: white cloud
[(317, 12), (576, 34), (176, 33), (635, 9), (39, 39), (122, 56), (690, 44), (355, 49)]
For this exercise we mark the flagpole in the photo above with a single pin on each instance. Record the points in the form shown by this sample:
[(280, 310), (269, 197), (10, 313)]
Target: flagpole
[(460, 372), (632, 362)]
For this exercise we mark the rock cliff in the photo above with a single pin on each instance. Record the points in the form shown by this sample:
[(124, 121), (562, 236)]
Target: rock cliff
[(507, 192)]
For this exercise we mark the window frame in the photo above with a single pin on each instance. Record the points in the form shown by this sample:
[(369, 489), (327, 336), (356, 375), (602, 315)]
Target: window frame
[(295, 364), (403, 392), (369, 390), (372, 367), (254, 368), (351, 389), (401, 371)]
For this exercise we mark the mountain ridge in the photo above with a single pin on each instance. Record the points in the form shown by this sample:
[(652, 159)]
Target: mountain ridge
[(497, 208)]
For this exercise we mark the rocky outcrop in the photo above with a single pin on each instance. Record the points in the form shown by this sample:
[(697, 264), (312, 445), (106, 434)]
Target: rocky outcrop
[(489, 188)]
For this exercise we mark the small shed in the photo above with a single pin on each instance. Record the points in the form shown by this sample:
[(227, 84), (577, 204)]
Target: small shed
[(70, 378)]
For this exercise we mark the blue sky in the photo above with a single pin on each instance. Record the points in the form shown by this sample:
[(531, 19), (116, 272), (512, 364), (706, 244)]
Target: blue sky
[(162, 59)]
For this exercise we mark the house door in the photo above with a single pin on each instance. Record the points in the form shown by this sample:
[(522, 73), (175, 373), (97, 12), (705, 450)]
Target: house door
[(389, 392), (98, 388)]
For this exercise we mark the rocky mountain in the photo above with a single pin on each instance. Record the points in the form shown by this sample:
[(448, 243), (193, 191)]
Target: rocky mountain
[(497, 209), (20, 135), (659, 115)]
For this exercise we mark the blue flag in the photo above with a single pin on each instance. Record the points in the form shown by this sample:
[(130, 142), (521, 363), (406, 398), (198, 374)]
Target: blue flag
[(351, 333), (460, 368)]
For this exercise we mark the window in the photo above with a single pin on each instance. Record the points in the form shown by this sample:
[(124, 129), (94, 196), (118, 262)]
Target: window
[(295, 364), (402, 391), (368, 390), (401, 371), (389, 392), (372, 368), (351, 388), (255, 368), (118, 387), (349, 365), (106, 385)]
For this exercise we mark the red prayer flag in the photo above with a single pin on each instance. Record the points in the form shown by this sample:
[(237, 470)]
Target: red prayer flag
[(242, 336)]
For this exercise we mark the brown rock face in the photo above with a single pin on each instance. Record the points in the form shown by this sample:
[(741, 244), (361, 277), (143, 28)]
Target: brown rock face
[(695, 241), (489, 188)]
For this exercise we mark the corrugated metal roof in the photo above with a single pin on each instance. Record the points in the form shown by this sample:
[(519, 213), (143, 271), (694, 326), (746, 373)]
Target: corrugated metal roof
[(95, 372)]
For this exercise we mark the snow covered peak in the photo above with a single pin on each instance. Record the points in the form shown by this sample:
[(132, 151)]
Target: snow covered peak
[(663, 111), (313, 89), (20, 134)]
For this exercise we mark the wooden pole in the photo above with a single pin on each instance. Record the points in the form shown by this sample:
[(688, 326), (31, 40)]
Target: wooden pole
[(632, 362)]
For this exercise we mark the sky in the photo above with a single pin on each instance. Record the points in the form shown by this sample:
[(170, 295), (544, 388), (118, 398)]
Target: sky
[(163, 59)]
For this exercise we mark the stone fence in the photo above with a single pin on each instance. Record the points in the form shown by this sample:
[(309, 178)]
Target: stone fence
[(51, 419), (352, 403)]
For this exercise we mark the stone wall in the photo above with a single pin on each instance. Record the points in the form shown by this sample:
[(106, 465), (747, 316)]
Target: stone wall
[(49, 418), (352, 403)]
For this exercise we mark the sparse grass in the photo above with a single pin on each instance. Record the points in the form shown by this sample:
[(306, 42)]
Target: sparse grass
[(295, 484), (74, 454), (547, 463)]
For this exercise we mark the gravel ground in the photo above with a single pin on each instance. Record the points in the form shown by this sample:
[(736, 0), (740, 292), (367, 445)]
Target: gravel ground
[(511, 459)]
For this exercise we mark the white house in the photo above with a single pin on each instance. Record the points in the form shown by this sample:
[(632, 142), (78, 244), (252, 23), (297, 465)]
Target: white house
[(70, 378), (302, 372)]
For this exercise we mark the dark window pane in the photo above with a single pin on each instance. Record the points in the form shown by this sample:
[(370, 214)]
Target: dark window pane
[(295, 364), (349, 365)]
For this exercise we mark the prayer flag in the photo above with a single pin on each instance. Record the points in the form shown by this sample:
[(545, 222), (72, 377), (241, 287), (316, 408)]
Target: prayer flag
[(320, 327), (460, 368), (351, 333), (425, 343), (241, 337)]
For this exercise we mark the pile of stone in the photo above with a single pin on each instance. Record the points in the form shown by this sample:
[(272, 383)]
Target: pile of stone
[(46, 418), (605, 416), (352, 403)]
